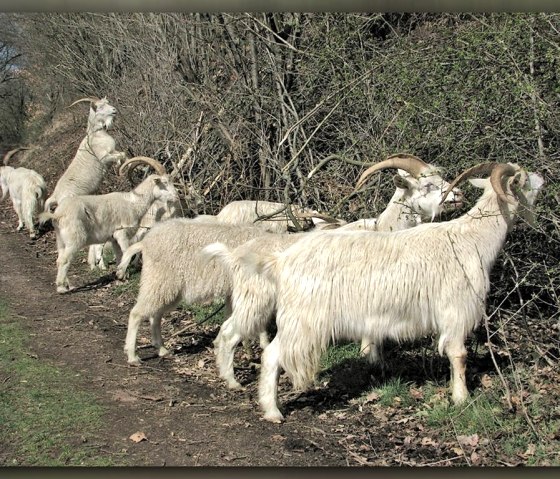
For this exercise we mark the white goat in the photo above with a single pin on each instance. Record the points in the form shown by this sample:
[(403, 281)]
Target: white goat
[(173, 270), (94, 219), (271, 216), (158, 211), (96, 151), (418, 197), (88, 168), (400, 285), (27, 190)]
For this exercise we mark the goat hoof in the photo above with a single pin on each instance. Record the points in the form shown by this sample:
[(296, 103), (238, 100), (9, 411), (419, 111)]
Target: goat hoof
[(162, 352), (235, 386), (275, 417), (62, 289), (135, 362)]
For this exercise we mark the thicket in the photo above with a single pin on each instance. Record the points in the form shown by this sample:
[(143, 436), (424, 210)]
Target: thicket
[(287, 105)]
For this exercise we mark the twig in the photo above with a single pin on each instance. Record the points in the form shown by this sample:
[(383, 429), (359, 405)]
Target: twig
[(498, 370), (186, 328)]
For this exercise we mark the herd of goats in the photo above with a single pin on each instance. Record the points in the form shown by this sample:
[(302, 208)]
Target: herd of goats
[(399, 276)]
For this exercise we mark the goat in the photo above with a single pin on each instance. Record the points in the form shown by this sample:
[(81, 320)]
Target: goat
[(96, 151), (400, 285), (94, 219), (158, 211), (173, 269), (253, 297), (26, 188), (271, 216), (89, 165)]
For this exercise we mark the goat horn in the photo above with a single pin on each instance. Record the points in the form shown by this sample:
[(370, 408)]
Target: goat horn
[(321, 216), (495, 170), (132, 163), (90, 99), (503, 169), (11, 153), (410, 163)]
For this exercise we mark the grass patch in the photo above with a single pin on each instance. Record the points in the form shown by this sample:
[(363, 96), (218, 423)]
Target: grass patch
[(339, 353), (131, 285), (210, 314), (485, 414), (46, 420)]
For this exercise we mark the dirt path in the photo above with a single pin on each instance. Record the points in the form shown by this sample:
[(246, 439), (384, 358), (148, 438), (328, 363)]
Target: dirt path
[(187, 420)]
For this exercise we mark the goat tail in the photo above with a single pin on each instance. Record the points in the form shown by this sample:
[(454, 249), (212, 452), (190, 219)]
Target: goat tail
[(127, 257), (220, 252), (260, 263), (50, 204), (40, 195), (46, 216)]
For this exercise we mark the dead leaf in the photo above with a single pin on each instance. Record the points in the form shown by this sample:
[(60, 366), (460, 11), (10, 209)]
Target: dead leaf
[(417, 393), (407, 440), (138, 437), (359, 459), (372, 396), (471, 440), (486, 381), (475, 458), (531, 449), (457, 450), (428, 441), (277, 437)]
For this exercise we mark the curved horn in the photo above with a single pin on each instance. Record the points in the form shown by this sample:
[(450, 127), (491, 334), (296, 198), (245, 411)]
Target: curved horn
[(410, 163), (132, 163), (503, 169), (495, 170), (321, 216), (11, 153), (91, 99)]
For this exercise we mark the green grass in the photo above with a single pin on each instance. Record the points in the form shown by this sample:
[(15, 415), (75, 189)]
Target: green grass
[(202, 312), (45, 419), (336, 354), (486, 415)]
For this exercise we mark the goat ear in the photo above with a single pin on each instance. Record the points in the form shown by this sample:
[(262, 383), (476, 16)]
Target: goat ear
[(93, 106), (478, 182), (401, 182)]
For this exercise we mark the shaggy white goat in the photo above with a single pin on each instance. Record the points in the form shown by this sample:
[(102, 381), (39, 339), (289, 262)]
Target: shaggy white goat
[(400, 285), (88, 168), (27, 190), (253, 296), (270, 216), (173, 270), (96, 151), (158, 211), (94, 219)]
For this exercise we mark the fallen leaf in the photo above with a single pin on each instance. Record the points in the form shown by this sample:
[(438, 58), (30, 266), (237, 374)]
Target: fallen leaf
[(475, 458), (417, 393), (428, 441), (372, 396), (138, 437), (277, 437), (486, 381), (531, 449), (468, 440)]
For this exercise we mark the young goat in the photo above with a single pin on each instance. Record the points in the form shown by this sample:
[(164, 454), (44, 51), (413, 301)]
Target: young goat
[(418, 198), (94, 219), (401, 285), (173, 270), (28, 191)]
